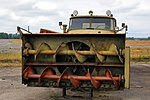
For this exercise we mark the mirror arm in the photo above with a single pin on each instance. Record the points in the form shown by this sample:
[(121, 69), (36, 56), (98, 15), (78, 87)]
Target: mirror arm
[(125, 27)]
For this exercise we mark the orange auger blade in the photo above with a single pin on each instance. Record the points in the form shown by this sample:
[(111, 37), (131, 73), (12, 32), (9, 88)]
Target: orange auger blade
[(28, 71), (96, 84), (66, 72), (47, 72), (76, 83), (76, 80), (109, 74)]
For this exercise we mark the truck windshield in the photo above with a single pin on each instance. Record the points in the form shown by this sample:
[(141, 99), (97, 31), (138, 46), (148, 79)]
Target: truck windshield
[(92, 23)]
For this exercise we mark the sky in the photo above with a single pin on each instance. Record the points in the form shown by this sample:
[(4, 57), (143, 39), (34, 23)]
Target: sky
[(48, 13)]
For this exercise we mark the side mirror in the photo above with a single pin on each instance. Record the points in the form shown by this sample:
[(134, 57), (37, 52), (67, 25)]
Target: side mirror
[(60, 23), (123, 24), (126, 28), (63, 27)]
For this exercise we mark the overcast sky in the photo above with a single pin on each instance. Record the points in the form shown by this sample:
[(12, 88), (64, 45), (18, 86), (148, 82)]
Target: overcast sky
[(47, 13)]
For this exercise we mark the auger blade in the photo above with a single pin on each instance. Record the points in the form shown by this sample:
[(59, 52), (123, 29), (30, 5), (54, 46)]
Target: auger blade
[(76, 83), (108, 74), (99, 56), (80, 58), (47, 72), (42, 47), (96, 84), (28, 71), (113, 48), (28, 45), (62, 47), (66, 72)]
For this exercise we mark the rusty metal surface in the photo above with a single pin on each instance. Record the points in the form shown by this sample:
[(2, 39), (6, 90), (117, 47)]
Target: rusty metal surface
[(76, 58), (75, 80)]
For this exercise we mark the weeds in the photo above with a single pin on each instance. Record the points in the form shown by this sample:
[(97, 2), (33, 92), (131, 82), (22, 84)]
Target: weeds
[(10, 59), (16, 41), (140, 55)]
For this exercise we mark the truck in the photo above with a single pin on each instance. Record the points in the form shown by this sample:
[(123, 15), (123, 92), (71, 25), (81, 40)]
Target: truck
[(90, 53)]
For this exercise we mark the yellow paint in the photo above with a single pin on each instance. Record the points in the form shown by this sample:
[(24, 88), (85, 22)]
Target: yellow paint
[(127, 67), (90, 31)]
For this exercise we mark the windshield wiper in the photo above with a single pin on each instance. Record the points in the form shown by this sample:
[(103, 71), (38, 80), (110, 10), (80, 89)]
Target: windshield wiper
[(90, 28)]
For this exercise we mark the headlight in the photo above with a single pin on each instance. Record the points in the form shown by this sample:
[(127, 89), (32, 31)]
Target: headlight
[(108, 12), (75, 12)]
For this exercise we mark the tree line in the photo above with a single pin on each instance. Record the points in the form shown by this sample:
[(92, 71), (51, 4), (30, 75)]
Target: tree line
[(133, 38), (4, 35)]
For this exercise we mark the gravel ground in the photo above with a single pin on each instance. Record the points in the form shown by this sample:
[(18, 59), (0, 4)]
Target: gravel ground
[(12, 89), (7, 46)]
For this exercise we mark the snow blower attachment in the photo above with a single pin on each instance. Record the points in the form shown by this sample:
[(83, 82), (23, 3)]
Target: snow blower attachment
[(89, 54)]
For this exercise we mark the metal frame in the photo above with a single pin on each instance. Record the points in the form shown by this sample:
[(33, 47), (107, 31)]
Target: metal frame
[(127, 67)]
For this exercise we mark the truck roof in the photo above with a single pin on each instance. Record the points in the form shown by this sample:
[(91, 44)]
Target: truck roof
[(93, 16)]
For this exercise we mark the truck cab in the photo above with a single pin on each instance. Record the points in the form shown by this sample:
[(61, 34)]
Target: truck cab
[(92, 24)]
